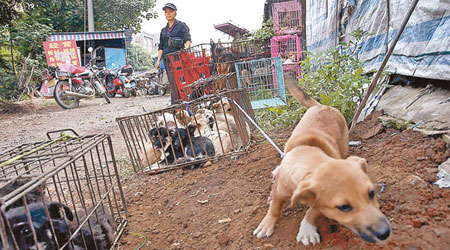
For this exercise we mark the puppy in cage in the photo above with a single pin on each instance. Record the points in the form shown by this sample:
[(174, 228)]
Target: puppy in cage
[(162, 140), (195, 147), (34, 195), (149, 155), (21, 236), (224, 120), (221, 139), (101, 237)]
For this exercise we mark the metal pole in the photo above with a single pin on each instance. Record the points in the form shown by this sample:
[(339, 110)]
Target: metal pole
[(90, 8), (12, 53), (383, 64)]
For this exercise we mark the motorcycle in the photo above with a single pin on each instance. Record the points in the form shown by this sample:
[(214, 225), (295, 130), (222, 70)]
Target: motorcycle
[(115, 83), (156, 85), (74, 83)]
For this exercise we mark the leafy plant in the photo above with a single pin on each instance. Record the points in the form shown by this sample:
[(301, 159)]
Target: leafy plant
[(280, 116), (335, 77), (265, 32)]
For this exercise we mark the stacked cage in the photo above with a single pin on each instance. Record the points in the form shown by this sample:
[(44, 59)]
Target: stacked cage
[(287, 23), (205, 69), (188, 134), (263, 80), (63, 193)]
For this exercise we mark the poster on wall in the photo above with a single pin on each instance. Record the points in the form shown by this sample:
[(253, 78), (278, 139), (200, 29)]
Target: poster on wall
[(60, 52)]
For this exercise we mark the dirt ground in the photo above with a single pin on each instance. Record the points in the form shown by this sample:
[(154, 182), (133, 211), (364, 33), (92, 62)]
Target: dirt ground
[(218, 207), (29, 121), (186, 209)]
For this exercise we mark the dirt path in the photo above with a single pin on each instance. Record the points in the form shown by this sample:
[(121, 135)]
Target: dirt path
[(30, 123), (182, 209)]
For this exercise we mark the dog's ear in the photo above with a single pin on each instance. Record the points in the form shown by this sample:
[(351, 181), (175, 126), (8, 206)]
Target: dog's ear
[(192, 128), (361, 161), (59, 211), (304, 194)]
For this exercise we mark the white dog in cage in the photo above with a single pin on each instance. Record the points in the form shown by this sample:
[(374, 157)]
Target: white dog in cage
[(220, 138)]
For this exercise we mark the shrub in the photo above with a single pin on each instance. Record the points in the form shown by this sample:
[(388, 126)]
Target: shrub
[(334, 78)]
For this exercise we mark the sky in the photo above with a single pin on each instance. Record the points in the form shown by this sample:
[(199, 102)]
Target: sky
[(201, 15)]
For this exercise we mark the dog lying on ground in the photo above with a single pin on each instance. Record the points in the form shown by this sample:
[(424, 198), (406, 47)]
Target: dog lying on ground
[(102, 234), (316, 172), (23, 234)]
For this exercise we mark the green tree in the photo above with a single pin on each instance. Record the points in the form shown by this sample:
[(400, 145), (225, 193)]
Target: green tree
[(139, 58), (67, 16)]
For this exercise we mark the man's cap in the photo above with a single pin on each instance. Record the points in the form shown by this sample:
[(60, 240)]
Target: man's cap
[(170, 6)]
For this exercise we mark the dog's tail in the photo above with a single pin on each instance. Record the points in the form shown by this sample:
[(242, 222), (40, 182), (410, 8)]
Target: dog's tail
[(300, 95)]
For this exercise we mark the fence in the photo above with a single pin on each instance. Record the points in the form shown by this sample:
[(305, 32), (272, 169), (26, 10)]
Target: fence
[(67, 188), (202, 61), (187, 134), (263, 80)]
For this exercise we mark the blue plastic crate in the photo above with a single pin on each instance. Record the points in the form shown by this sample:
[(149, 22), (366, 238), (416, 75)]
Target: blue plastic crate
[(263, 79)]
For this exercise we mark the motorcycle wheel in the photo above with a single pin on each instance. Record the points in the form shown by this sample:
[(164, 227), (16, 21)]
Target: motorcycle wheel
[(106, 97), (67, 102), (125, 92), (111, 95), (133, 92)]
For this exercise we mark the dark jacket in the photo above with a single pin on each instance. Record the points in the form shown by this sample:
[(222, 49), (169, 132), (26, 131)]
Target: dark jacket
[(179, 29)]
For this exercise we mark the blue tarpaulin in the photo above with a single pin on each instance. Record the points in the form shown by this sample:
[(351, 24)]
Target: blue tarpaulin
[(424, 46)]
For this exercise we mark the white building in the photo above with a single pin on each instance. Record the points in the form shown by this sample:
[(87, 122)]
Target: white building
[(147, 41)]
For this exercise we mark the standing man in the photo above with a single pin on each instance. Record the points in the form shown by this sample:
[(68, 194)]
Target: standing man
[(174, 37), (213, 50)]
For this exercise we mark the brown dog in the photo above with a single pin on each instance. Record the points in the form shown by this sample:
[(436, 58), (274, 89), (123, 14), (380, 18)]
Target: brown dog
[(316, 172), (149, 155)]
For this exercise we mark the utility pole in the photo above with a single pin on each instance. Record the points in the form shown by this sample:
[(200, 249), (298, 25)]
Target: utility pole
[(90, 8)]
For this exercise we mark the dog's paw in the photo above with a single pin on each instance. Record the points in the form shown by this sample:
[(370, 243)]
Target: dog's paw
[(266, 227), (307, 234)]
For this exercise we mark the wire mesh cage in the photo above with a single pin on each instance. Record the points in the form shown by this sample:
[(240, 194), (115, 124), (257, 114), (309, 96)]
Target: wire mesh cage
[(287, 17), (263, 80), (289, 48), (64, 193), (211, 85), (204, 61), (188, 134)]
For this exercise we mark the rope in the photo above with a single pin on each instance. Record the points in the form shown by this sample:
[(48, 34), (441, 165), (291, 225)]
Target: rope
[(64, 137), (259, 128)]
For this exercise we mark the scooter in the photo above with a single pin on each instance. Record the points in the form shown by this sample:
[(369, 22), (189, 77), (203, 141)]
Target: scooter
[(126, 75), (115, 83)]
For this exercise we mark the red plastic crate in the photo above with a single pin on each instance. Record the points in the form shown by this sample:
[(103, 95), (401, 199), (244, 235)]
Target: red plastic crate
[(188, 67)]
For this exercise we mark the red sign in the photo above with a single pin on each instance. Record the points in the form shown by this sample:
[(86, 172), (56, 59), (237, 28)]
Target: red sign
[(59, 52)]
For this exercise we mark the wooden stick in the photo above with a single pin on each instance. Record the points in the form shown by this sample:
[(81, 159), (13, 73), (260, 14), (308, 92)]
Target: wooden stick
[(383, 64)]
